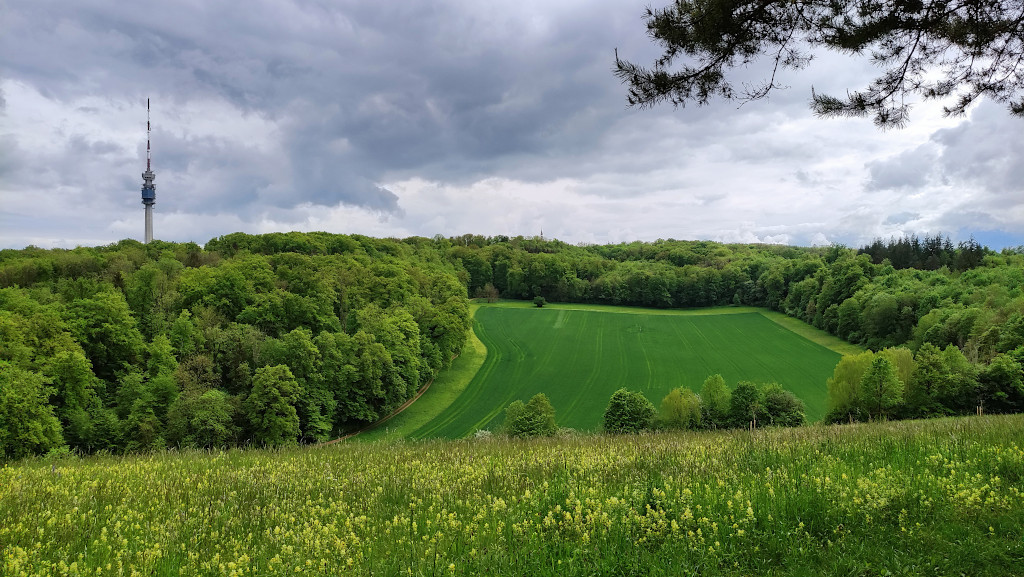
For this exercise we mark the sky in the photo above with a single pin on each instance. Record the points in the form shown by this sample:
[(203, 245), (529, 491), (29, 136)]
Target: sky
[(451, 117)]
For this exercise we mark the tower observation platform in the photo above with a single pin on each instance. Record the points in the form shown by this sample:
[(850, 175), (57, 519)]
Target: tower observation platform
[(148, 188)]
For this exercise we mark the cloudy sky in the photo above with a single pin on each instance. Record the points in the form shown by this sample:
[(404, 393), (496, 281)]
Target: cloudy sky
[(451, 117)]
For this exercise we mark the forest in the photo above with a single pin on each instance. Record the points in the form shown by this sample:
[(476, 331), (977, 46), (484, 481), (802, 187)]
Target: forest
[(301, 337), (265, 340)]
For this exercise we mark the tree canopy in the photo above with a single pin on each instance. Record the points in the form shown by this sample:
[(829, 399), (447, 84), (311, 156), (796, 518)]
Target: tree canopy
[(934, 49)]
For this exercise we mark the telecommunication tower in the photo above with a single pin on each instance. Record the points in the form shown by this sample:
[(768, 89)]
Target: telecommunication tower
[(148, 188)]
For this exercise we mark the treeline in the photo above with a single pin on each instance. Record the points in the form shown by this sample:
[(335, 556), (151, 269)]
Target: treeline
[(748, 405), (980, 310), (267, 340), (283, 337), (930, 253), (897, 383), (973, 301)]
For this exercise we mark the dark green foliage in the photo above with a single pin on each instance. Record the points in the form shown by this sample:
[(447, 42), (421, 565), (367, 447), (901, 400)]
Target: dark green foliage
[(934, 49), (270, 407), (1002, 385), (746, 405), (533, 419), (628, 412), (146, 345), (539, 301), (781, 407), (379, 318)]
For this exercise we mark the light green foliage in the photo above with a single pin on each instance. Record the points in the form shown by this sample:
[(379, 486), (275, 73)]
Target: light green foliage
[(185, 337), (108, 333), (944, 382), (680, 409), (27, 423), (161, 359), (715, 401), (270, 408), (881, 390), (628, 412), (844, 386), (902, 361)]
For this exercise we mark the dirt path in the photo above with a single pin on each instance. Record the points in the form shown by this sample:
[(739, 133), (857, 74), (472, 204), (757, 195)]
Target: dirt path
[(404, 406)]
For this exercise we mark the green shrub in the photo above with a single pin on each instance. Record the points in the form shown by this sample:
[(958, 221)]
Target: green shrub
[(680, 409), (628, 412), (533, 419), (781, 407)]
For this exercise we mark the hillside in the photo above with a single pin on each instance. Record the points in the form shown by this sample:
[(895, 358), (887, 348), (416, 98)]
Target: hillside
[(300, 337), (940, 497)]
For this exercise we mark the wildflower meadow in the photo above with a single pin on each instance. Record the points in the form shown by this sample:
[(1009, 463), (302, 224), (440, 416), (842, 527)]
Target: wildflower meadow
[(940, 497)]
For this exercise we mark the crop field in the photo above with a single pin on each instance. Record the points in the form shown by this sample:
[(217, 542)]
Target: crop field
[(579, 356), (939, 497)]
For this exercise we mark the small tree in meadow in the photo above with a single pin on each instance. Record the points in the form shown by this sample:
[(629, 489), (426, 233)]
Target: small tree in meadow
[(533, 419), (539, 301), (881, 390), (781, 407), (628, 412), (746, 405), (680, 409), (714, 402)]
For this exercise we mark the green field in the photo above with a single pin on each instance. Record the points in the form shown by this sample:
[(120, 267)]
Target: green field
[(578, 356)]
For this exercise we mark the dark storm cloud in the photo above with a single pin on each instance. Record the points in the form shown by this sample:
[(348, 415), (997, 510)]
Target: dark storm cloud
[(397, 118), (436, 89)]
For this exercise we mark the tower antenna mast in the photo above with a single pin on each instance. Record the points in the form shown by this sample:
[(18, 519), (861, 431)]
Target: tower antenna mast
[(148, 188)]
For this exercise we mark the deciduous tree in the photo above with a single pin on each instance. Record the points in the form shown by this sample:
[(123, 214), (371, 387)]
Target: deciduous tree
[(628, 412)]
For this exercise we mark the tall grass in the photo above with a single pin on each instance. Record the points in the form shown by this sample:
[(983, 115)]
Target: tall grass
[(943, 497)]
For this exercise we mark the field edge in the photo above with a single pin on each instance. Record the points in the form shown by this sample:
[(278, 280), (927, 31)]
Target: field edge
[(447, 387)]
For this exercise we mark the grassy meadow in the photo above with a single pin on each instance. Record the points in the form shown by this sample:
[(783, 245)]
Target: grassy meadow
[(579, 355), (941, 497)]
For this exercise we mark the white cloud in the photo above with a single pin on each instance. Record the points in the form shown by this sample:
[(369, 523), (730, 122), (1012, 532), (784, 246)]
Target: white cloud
[(449, 118)]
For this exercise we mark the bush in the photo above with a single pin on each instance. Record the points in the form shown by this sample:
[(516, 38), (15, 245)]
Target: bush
[(680, 409), (539, 301), (714, 402), (628, 412), (746, 405), (782, 408), (533, 419)]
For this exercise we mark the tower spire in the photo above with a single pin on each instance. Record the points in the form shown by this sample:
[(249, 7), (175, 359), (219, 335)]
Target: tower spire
[(148, 188)]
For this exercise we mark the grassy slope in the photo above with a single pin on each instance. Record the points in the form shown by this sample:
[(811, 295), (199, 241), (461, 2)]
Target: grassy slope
[(447, 387), (578, 355), (943, 497)]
